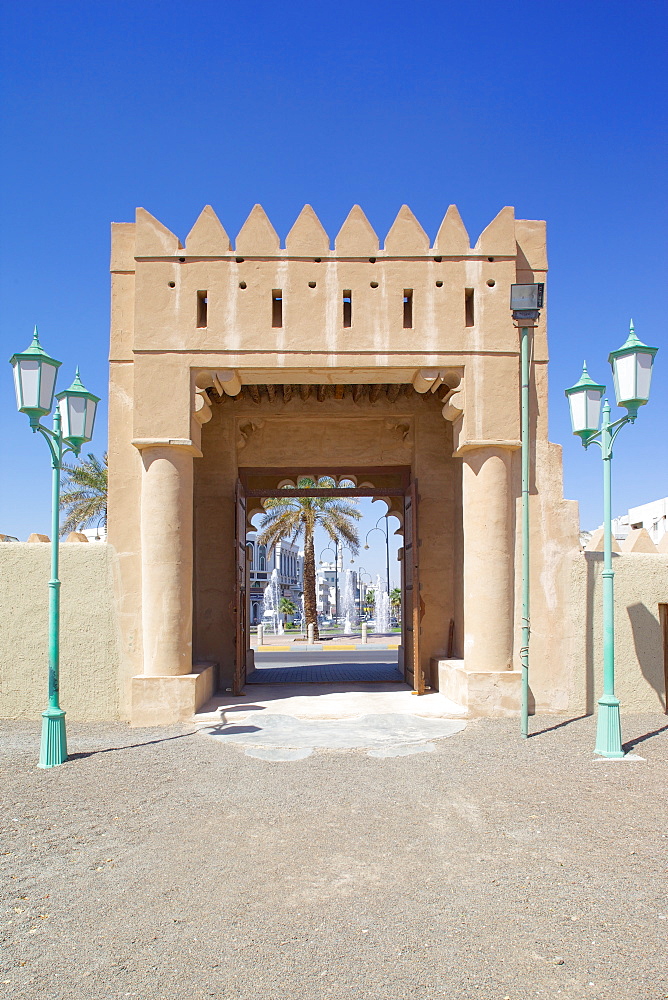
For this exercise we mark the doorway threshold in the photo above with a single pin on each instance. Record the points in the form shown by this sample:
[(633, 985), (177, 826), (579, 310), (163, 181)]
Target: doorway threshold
[(327, 701)]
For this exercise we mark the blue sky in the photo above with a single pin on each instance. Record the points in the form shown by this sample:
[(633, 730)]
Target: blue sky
[(558, 109)]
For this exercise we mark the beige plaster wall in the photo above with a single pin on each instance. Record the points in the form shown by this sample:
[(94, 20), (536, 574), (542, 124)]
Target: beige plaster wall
[(641, 584), (90, 647)]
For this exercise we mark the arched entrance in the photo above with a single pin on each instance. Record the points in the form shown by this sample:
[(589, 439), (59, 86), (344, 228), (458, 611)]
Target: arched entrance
[(385, 439), (395, 486)]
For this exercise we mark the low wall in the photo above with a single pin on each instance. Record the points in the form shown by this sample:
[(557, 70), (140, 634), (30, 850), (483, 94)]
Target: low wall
[(89, 646), (90, 657), (641, 585)]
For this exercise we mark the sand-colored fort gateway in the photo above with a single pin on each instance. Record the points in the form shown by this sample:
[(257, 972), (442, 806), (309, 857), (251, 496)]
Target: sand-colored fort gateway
[(235, 370)]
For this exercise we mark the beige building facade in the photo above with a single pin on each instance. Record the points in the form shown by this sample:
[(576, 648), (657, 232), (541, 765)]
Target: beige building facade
[(234, 370)]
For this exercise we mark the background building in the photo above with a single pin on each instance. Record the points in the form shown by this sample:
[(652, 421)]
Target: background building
[(651, 516), (287, 558)]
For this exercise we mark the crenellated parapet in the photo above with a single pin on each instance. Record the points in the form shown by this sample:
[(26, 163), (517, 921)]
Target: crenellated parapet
[(356, 238)]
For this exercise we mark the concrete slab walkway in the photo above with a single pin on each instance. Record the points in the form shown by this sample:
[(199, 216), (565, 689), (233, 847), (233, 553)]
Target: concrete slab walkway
[(328, 701), (285, 738)]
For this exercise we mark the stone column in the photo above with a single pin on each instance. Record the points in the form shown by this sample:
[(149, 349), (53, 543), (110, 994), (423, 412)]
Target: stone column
[(488, 559), (167, 558)]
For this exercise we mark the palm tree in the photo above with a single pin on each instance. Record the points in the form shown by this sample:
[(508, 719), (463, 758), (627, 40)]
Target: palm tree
[(290, 517), (84, 494), (286, 607), (395, 601)]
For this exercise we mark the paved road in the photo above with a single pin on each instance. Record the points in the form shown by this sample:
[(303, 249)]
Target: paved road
[(326, 667), (161, 864)]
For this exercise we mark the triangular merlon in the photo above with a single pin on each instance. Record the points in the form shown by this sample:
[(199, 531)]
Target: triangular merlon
[(152, 239), (257, 236), (307, 238), (356, 237), (452, 238), (406, 236), (207, 238), (498, 239)]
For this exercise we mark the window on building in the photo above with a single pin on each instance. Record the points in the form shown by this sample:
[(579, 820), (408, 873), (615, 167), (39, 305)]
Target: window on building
[(202, 308), (408, 308), (347, 307), (277, 307), (469, 307)]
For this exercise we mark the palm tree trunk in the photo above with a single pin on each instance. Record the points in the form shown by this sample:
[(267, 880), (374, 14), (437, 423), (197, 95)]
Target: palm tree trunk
[(310, 600)]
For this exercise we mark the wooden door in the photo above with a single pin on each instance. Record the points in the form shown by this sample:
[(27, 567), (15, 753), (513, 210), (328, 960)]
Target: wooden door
[(241, 594), (411, 609)]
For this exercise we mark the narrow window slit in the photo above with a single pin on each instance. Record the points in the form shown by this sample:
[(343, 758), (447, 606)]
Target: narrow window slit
[(277, 307), (202, 308), (469, 309), (408, 308), (347, 307)]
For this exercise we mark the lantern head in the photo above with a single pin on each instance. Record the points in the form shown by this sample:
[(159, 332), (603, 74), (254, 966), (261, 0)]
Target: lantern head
[(35, 380), (77, 410), (584, 400), (632, 370)]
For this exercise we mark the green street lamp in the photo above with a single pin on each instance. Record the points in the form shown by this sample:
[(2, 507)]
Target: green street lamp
[(632, 373), (35, 381), (526, 302)]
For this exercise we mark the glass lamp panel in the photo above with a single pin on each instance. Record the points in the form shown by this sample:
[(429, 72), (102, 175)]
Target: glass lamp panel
[(578, 408), (73, 412), (593, 405), (625, 377), (643, 375), (29, 380), (47, 385), (17, 386), (91, 409)]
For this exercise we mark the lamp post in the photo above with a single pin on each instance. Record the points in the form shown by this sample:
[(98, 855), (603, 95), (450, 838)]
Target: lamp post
[(632, 373), (526, 301), (35, 380), (387, 545)]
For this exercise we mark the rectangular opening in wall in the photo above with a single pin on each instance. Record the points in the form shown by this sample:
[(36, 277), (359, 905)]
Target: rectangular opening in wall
[(277, 307), (347, 307), (408, 308), (469, 309), (663, 618), (202, 308)]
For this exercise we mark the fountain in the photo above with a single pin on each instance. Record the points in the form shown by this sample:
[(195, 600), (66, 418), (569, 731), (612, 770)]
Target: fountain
[(382, 607), (270, 605), (349, 604)]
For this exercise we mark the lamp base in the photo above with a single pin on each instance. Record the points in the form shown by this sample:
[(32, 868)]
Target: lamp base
[(609, 728), (53, 749)]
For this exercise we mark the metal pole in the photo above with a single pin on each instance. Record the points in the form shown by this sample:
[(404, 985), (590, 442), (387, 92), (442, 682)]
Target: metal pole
[(53, 749), (609, 728), (336, 584), (526, 610), (387, 555)]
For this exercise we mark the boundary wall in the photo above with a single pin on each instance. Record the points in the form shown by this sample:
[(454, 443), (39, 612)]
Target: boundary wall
[(91, 667), (89, 635)]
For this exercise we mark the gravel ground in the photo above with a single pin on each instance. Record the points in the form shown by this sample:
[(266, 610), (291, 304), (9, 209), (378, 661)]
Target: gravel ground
[(163, 864)]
